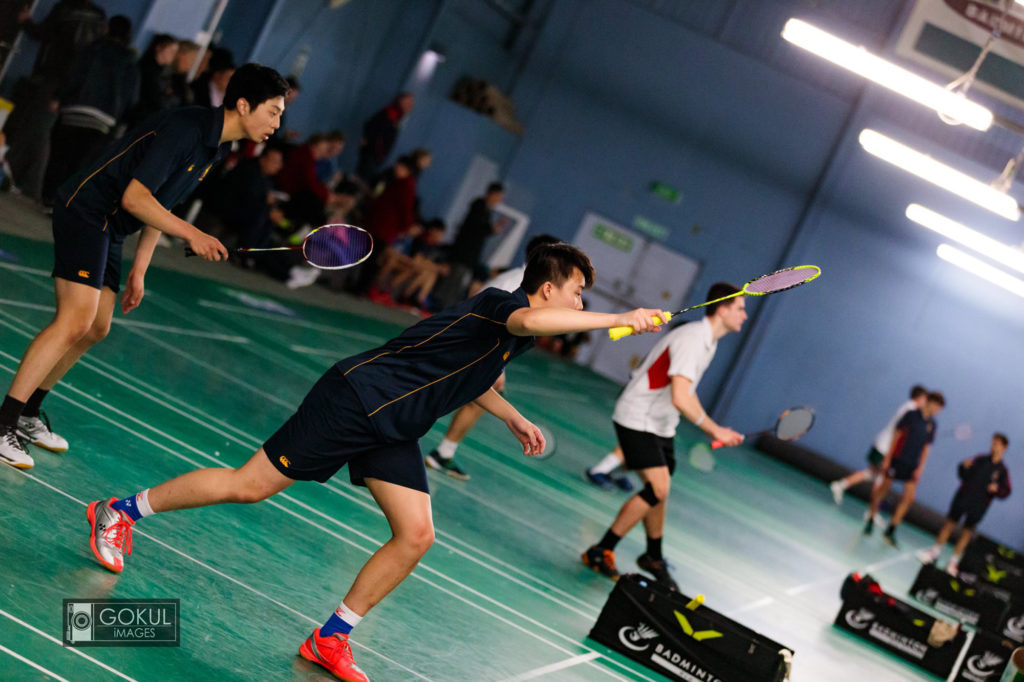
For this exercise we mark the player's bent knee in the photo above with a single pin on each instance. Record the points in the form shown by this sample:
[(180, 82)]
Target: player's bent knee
[(419, 539), (650, 495), (97, 333)]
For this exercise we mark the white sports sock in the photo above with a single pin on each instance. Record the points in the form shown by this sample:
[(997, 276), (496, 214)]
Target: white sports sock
[(446, 449), (607, 465), (348, 615), (142, 502), (956, 559)]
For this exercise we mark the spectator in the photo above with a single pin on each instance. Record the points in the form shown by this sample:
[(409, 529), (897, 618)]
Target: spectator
[(156, 92), (183, 62), (380, 132), (71, 26), (102, 85), (393, 211), (476, 228), (309, 198), (208, 89), (284, 133), (327, 168), (244, 203)]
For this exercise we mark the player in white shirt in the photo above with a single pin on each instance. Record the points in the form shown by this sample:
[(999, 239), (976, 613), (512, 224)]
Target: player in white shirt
[(442, 457), (882, 444), (645, 418)]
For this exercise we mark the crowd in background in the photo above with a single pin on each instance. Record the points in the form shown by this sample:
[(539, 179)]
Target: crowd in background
[(88, 86)]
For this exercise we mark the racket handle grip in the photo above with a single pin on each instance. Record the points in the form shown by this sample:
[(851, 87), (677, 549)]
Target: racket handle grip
[(715, 444), (616, 333)]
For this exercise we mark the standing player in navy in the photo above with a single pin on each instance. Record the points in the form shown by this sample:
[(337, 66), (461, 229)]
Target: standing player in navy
[(646, 415), (369, 411), (905, 461), (131, 186), (982, 478)]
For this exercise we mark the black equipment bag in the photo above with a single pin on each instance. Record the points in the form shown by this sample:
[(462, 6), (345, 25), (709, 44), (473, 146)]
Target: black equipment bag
[(965, 601)]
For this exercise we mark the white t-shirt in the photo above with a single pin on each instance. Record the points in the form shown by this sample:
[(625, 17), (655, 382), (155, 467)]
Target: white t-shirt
[(883, 441), (646, 402), (509, 281)]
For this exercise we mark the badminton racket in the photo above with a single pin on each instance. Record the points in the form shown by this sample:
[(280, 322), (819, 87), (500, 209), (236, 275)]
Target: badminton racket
[(780, 280), (330, 247), (791, 425)]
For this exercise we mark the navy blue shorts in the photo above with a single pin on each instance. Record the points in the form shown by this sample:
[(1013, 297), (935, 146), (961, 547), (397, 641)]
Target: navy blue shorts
[(971, 510), (901, 470), (644, 450), (330, 429), (85, 253)]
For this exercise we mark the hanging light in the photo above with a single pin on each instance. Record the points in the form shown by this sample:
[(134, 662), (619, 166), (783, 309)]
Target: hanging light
[(972, 239), (981, 269), (857, 59), (946, 177)]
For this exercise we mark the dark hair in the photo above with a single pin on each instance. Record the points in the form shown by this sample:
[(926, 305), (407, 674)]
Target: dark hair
[(718, 290), (119, 29), (540, 240), (334, 136), (937, 398), (269, 148), (1003, 438), (554, 263), (917, 391), (435, 224), (292, 82), (160, 41), (222, 60), (316, 138), (495, 187), (255, 84)]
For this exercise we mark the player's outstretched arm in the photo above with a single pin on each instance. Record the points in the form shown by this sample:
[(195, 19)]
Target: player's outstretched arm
[(523, 429), (554, 320), (141, 203)]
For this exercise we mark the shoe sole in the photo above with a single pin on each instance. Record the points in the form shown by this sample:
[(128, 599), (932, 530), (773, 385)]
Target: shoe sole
[(17, 465), (458, 477), (438, 467), (586, 478), (40, 444), (90, 513)]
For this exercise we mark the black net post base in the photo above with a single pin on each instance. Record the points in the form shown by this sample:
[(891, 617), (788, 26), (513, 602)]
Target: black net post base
[(897, 627), (967, 602), (681, 639)]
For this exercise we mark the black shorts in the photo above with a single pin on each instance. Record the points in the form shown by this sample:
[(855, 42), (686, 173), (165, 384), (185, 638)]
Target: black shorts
[(644, 450), (330, 429), (970, 510), (85, 253), (901, 469), (875, 457)]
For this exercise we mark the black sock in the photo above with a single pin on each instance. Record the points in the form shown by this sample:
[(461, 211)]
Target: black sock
[(609, 540), (33, 403), (890, 530), (10, 410), (654, 547)]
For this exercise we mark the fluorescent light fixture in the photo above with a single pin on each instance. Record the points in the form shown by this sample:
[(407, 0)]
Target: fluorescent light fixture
[(980, 269), (857, 59), (949, 179), (972, 239)]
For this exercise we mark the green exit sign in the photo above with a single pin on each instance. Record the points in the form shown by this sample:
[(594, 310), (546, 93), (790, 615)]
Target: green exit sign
[(666, 192), (613, 238)]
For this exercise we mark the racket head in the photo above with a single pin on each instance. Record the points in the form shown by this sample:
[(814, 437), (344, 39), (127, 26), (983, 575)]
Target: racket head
[(780, 280), (336, 247), (700, 457), (550, 443), (794, 423)]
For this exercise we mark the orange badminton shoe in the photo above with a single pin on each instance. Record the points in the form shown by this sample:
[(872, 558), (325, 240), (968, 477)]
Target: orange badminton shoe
[(333, 653)]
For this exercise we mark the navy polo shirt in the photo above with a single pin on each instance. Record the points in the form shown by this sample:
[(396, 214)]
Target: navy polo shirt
[(917, 433), (169, 152), (437, 365)]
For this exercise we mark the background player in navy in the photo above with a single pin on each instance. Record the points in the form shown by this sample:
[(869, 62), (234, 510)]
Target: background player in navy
[(905, 461), (982, 478), (133, 184), (369, 411)]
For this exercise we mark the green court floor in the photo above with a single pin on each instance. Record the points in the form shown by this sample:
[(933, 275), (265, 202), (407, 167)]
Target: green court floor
[(202, 372)]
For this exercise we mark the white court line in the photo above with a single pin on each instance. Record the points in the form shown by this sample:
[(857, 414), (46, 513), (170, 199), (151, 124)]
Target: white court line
[(25, 268), (61, 644), (344, 539), (554, 667), (307, 350), (305, 324), (48, 673), (763, 601), (236, 581), (835, 578)]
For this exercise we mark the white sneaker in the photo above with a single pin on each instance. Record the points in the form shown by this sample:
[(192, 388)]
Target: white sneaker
[(928, 556), (36, 430), (301, 276), (837, 491), (952, 568), (13, 452)]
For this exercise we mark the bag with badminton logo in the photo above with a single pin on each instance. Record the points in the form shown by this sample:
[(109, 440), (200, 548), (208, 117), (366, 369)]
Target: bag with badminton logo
[(682, 639)]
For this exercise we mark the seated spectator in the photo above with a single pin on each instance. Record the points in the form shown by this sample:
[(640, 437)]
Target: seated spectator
[(427, 265), (328, 169), (102, 85), (309, 198), (285, 134), (208, 89), (477, 227), (393, 211), (380, 132), (244, 204), (155, 90)]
